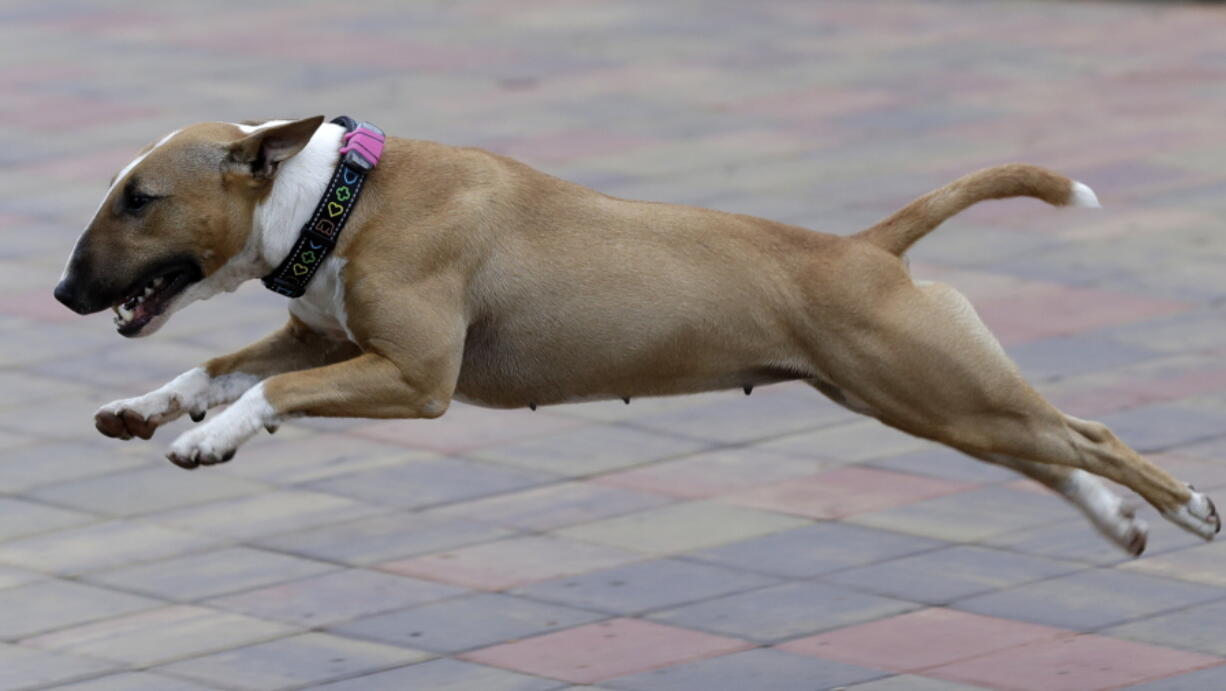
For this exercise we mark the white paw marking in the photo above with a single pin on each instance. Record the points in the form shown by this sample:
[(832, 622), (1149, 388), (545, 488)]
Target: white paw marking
[(216, 440), (166, 403), (194, 391), (1110, 514), (1081, 195), (1198, 516)]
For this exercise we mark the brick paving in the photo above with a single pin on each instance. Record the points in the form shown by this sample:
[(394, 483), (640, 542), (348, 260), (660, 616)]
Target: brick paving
[(709, 543)]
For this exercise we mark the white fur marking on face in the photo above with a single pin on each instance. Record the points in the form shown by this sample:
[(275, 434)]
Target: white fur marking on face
[(1081, 195), (224, 433), (194, 391)]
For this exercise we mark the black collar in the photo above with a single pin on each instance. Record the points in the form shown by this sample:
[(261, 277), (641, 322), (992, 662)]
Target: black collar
[(362, 146)]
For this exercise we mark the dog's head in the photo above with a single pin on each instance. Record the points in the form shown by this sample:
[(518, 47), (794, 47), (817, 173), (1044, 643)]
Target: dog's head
[(175, 220)]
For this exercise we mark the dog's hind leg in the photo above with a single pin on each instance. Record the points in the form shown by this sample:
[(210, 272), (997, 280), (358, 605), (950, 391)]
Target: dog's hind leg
[(927, 365)]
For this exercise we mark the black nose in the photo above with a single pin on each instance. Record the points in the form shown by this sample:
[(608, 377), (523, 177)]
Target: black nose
[(66, 293)]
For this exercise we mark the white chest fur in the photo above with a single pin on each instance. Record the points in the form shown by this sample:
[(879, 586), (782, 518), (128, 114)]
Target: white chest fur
[(322, 307)]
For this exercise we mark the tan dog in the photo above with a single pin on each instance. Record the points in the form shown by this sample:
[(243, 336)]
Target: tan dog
[(467, 275)]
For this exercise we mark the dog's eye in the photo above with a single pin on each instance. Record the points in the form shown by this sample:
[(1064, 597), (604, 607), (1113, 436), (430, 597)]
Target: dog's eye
[(136, 201)]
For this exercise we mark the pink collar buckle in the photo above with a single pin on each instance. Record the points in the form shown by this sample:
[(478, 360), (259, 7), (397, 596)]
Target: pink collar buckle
[(363, 147)]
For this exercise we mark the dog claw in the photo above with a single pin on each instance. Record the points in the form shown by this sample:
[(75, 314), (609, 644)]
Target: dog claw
[(184, 462), (272, 429), (197, 415)]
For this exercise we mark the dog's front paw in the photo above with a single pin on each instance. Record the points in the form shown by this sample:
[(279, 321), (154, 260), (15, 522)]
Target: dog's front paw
[(141, 416), (137, 417), (199, 447), (216, 440)]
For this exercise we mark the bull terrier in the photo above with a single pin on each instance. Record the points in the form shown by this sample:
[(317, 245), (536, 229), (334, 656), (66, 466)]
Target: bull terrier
[(466, 275)]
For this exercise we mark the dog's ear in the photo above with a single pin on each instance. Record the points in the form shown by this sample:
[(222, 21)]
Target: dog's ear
[(261, 152)]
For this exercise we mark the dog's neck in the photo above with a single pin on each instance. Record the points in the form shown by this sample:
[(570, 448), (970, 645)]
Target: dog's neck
[(279, 217), (296, 190)]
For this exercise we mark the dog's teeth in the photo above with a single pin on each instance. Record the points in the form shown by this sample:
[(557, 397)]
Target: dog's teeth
[(158, 281)]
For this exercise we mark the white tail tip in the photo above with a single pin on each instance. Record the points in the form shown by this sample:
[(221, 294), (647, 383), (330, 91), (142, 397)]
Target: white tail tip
[(1083, 196)]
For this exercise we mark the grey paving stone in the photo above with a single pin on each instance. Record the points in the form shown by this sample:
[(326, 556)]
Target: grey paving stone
[(1091, 600), (269, 513), (590, 450), (466, 623), (1075, 540), (1053, 358), (781, 612), (945, 464), (737, 418), (1202, 680), (44, 606), (53, 462), (144, 490), (446, 675), (419, 484), (944, 575), (815, 549), (911, 682), (99, 546), (1197, 627), (385, 537), (554, 506), (1162, 426), (645, 586), (306, 659), (208, 574), (334, 597), (760, 670), (24, 668), (161, 635), (972, 516), (19, 518), (134, 681)]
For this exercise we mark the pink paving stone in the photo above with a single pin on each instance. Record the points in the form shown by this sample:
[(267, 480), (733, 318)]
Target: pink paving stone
[(1045, 310), (922, 639), (510, 563), (1083, 663), (845, 492), (595, 652), (467, 427)]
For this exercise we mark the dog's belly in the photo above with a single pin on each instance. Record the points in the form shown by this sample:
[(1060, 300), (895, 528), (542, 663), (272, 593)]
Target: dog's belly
[(504, 376)]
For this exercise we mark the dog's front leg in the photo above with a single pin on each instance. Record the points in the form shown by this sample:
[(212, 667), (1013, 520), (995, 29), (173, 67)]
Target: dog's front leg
[(220, 380), (369, 385)]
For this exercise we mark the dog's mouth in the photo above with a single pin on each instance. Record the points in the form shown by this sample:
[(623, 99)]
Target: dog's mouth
[(150, 296)]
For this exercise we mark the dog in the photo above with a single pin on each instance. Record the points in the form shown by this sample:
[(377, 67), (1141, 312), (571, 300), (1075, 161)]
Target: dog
[(464, 275)]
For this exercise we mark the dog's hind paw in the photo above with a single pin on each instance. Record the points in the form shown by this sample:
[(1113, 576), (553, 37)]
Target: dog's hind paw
[(1198, 515)]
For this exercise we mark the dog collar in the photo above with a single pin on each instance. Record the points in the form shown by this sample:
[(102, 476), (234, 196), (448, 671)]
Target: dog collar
[(361, 148)]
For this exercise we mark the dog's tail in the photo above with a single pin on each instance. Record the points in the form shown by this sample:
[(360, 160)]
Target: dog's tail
[(915, 220)]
